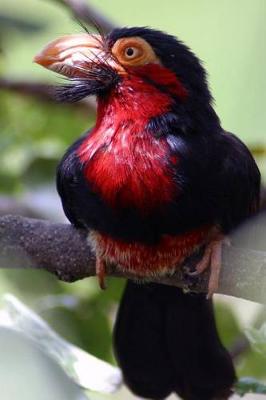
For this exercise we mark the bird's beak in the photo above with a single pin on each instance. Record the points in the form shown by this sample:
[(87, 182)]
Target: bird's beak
[(74, 56)]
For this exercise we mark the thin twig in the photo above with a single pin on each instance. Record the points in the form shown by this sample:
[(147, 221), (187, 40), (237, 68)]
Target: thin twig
[(87, 13), (42, 91), (10, 205)]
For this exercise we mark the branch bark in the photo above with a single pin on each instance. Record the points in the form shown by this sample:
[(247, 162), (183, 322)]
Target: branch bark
[(43, 92), (87, 13), (40, 90), (65, 252), (11, 206)]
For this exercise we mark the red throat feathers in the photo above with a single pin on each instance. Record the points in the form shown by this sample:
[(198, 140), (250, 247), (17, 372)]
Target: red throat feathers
[(124, 162), (129, 167)]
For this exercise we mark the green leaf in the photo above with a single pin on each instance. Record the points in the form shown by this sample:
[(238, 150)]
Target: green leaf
[(251, 363), (84, 369), (34, 136), (249, 385), (227, 324), (257, 338)]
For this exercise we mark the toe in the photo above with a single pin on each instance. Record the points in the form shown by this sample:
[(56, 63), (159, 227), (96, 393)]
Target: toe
[(205, 261), (100, 272), (215, 267)]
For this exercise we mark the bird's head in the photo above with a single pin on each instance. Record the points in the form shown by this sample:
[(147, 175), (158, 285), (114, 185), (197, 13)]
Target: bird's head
[(136, 65)]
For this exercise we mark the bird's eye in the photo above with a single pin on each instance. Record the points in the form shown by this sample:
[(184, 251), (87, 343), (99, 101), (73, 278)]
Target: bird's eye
[(131, 52)]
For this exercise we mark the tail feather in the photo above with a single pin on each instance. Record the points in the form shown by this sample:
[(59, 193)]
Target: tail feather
[(166, 341)]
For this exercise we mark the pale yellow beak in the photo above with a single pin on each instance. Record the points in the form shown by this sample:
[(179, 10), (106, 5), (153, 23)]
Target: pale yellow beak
[(74, 55)]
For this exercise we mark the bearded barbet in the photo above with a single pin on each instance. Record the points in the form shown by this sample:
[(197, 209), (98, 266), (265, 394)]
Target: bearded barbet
[(155, 181)]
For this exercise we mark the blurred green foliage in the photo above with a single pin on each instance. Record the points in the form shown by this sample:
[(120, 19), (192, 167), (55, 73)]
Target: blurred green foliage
[(250, 385), (34, 134)]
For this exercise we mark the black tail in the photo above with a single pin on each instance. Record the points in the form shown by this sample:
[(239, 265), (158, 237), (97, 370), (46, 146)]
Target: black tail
[(166, 341)]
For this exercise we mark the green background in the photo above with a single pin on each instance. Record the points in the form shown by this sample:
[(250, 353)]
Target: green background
[(228, 36)]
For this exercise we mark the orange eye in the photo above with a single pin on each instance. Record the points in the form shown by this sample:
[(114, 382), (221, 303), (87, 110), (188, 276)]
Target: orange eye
[(134, 51)]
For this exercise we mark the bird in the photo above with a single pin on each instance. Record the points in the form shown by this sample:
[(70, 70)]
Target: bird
[(156, 181)]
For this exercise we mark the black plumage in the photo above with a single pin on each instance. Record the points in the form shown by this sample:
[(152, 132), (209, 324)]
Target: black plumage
[(220, 185), (166, 341)]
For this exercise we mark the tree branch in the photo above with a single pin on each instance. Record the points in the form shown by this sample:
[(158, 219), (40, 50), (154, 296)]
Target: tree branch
[(11, 206), (87, 13), (42, 91), (38, 89), (65, 252)]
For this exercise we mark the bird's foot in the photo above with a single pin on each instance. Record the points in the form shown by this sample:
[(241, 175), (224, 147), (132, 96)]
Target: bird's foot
[(212, 258), (101, 271)]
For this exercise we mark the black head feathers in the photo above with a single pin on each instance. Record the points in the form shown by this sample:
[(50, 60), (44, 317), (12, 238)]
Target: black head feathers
[(174, 54)]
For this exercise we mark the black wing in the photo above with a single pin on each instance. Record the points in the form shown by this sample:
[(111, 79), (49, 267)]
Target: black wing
[(238, 181), (220, 185), (68, 176), (219, 182)]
